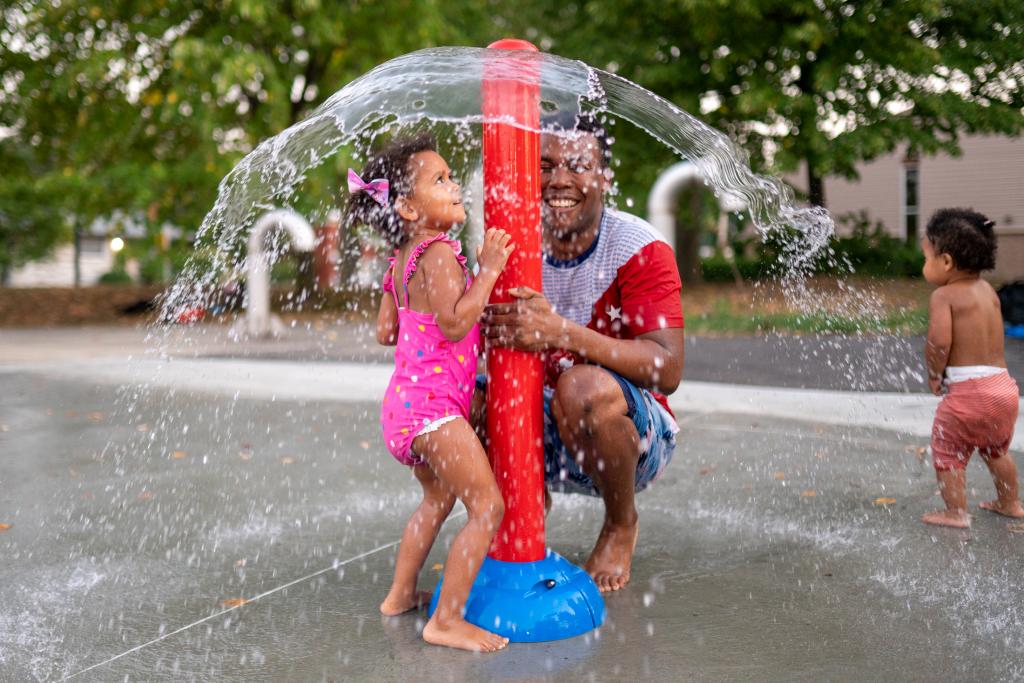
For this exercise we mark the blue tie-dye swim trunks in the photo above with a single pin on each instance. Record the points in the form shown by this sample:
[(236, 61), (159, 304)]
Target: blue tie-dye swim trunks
[(656, 427)]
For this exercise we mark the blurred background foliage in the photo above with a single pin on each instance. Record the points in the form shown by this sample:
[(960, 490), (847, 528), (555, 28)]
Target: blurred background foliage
[(145, 106)]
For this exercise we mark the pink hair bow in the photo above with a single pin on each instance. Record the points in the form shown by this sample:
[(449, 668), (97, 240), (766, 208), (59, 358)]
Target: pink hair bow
[(376, 188)]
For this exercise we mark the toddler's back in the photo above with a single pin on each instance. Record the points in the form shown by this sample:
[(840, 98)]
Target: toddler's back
[(977, 324)]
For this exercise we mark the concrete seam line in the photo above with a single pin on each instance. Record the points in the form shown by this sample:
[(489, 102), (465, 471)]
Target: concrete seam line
[(264, 594)]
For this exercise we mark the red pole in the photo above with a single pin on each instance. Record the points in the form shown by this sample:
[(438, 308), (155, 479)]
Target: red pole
[(515, 419)]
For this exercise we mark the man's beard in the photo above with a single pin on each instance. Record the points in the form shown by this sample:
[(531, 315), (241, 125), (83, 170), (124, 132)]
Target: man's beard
[(568, 231)]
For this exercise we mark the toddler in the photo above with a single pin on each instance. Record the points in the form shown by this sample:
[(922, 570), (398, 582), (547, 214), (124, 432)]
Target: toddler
[(964, 354), (429, 312)]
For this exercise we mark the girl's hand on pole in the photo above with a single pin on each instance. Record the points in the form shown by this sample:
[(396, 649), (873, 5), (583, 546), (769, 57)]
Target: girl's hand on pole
[(493, 254)]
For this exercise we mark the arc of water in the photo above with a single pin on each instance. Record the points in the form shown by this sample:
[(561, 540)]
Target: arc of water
[(258, 320)]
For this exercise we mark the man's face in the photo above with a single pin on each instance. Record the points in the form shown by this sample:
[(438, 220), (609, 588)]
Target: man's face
[(573, 180)]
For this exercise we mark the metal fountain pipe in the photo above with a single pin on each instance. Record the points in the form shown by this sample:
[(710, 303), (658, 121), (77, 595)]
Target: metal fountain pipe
[(663, 200), (259, 322), (515, 419)]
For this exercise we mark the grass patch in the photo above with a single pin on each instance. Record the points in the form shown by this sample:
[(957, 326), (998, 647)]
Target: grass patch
[(723, 319)]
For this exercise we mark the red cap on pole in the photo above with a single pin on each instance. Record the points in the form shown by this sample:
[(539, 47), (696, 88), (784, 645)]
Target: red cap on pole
[(515, 419)]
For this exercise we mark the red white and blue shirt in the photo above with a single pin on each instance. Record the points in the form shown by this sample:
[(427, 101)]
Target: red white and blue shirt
[(624, 285)]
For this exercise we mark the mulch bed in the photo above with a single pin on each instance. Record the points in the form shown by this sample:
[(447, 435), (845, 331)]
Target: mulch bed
[(102, 305), (56, 306), (131, 304)]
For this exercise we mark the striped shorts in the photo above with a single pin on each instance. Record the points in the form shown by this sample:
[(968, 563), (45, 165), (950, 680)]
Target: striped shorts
[(975, 414)]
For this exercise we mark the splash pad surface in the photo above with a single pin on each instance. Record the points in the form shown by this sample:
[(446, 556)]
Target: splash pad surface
[(738, 574), (258, 546)]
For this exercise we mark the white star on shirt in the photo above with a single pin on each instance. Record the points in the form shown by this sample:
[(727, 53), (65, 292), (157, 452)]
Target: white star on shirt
[(614, 312)]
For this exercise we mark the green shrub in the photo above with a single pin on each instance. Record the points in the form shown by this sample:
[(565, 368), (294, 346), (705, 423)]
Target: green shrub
[(872, 251), (284, 271), (115, 277), (151, 268), (868, 249), (718, 269)]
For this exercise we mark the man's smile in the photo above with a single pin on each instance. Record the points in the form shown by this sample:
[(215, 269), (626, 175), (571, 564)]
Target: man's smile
[(562, 202)]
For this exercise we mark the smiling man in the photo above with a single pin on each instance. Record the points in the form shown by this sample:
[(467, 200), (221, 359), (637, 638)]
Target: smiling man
[(610, 326)]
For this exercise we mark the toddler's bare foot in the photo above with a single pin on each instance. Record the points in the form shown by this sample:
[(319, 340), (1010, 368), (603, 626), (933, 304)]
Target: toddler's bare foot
[(1014, 509), (958, 519), (461, 634), (396, 604), (609, 563)]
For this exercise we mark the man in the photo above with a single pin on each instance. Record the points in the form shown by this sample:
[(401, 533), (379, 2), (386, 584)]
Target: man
[(610, 327)]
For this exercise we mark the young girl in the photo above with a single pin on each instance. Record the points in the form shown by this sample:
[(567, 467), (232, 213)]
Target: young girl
[(964, 353), (429, 311)]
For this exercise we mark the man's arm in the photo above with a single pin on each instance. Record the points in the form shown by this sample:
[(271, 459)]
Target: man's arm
[(653, 360), (939, 340)]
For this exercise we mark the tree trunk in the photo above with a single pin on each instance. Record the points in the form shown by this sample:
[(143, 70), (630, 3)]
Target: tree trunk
[(78, 256), (689, 226), (815, 186)]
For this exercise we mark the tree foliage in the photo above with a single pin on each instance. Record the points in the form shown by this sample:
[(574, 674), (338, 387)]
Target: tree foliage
[(30, 221), (145, 106), (825, 83)]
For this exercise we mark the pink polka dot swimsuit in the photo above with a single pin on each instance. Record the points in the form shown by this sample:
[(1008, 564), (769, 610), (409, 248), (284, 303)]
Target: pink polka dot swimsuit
[(434, 378)]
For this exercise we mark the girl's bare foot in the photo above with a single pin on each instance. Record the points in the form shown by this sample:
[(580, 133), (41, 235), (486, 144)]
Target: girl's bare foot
[(461, 634), (958, 519), (612, 557), (1014, 509), (396, 604)]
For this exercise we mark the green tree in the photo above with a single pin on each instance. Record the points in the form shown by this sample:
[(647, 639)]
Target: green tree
[(825, 83), (29, 222), (145, 106)]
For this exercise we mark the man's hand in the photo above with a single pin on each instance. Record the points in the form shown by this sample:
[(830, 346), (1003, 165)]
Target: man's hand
[(935, 384), (527, 324)]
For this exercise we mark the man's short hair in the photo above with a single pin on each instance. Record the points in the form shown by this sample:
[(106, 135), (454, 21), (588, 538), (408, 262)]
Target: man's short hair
[(568, 122)]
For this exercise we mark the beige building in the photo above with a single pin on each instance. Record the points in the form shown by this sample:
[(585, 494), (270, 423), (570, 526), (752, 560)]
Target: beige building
[(58, 269), (903, 193)]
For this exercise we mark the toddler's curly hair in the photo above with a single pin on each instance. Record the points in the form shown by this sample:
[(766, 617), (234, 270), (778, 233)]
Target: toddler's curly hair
[(966, 235), (390, 162)]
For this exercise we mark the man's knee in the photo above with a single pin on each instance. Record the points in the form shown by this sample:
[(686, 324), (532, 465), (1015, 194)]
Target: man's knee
[(587, 395)]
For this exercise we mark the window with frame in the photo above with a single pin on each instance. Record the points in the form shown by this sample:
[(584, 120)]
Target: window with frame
[(911, 197)]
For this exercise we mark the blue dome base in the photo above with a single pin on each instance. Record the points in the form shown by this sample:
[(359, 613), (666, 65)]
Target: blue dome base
[(532, 602)]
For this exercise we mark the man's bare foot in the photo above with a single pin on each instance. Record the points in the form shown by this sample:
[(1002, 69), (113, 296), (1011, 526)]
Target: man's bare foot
[(610, 561), (953, 518), (1014, 509), (547, 502), (394, 605), (461, 634)]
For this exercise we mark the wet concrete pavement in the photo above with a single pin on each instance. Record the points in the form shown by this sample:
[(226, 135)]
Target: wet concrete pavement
[(140, 516), (840, 363)]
